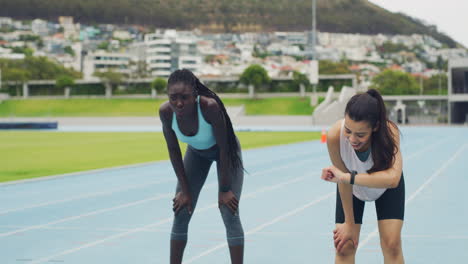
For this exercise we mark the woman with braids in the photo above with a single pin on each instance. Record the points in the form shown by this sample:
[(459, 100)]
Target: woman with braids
[(364, 148), (195, 115)]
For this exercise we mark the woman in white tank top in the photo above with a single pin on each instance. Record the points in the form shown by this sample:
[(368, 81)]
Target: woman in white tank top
[(367, 166)]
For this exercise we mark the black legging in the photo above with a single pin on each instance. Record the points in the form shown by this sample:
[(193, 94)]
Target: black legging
[(391, 205), (197, 164)]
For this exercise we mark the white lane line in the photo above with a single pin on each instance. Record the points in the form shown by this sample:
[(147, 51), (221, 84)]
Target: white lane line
[(153, 198), (164, 221), (131, 166), (415, 193), (264, 225), (438, 172), (437, 237), (141, 186), (297, 155), (295, 163), (83, 184), (81, 173), (86, 196), (425, 150), (135, 203), (72, 228), (410, 157), (46, 226)]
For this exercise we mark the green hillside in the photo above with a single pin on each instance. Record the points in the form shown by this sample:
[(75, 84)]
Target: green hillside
[(344, 16)]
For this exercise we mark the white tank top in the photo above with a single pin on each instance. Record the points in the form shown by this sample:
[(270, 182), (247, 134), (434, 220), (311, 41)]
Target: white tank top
[(352, 162)]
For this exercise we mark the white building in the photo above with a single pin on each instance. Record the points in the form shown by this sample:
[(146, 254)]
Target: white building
[(413, 67), (344, 40), (281, 49), (101, 61), (8, 54), (432, 42), (451, 54), (73, 62), (138, 51), (206, 48), (299, 38), (15, 35), (39, 27), (121, 34), (167, 51), (6, 21), (20, 26), (70, 30), (245, 51)]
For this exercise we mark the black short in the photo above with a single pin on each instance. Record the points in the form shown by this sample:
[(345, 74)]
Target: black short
[(391, 205)]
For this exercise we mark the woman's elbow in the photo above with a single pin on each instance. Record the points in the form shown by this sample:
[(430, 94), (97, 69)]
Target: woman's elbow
[(394, 182)]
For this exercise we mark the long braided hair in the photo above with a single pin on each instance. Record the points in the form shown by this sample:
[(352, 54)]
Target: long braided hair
[(187, 77), (370, 107)]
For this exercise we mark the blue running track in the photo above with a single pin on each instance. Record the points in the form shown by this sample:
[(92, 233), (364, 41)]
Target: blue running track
[(123, 215)]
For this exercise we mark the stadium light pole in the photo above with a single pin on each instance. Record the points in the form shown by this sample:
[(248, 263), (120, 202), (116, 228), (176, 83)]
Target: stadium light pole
[(314, 32), (314, 27)]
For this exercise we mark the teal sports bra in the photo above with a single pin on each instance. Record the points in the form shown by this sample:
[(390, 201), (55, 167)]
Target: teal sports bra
[(363, 156), (204, 139)]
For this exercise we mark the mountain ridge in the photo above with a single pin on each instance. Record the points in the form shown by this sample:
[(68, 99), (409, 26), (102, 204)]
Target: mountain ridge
[(338, 16)]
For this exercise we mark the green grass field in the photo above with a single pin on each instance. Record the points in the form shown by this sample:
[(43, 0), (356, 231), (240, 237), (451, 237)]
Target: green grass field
[(274, 106), (140, 107), (79, 107), (34, 154)]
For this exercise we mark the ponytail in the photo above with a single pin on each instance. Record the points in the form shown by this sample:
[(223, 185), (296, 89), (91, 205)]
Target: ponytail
[(370, 107)]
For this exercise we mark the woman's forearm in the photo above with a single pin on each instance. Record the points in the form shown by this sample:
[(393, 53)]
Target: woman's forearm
[(380, 179), (225, 181), (176, 160), (346, 194)]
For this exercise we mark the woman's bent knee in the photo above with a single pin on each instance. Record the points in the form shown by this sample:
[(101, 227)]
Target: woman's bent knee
[(180, 225), (348, 250), (234, 230)]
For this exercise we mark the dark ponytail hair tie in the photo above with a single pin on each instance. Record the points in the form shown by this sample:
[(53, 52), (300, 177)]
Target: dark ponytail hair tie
[(373, 93)]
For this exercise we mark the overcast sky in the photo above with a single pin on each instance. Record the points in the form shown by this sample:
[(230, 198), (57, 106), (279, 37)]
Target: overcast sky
[(450, 16)]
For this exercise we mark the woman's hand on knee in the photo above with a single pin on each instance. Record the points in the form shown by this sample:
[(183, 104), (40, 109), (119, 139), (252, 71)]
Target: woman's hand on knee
[(344, 233), (180, 200), (228, 199)]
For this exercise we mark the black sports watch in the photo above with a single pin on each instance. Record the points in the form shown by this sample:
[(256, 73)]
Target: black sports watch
[(353, 175), (224, 188)]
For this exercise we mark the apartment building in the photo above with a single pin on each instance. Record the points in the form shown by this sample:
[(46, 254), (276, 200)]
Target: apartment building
[(168, 51), (101, 61)]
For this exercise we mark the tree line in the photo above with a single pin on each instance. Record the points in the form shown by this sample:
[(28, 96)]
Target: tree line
[(388, 82)]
